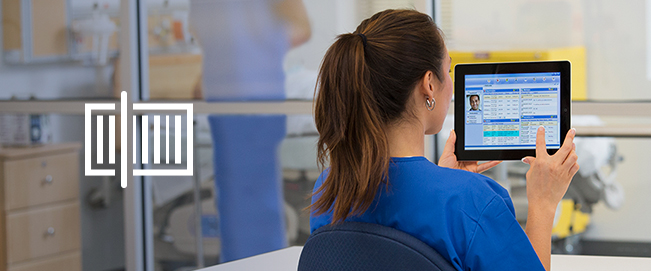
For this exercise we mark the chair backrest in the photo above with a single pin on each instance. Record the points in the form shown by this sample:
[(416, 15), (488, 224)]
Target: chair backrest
[(366, 246)]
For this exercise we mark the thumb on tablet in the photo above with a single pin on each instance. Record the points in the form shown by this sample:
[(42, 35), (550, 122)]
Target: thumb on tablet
[(528, 160), (452, 139)]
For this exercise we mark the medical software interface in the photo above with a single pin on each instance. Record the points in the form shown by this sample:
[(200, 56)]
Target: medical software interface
[(504, 111)]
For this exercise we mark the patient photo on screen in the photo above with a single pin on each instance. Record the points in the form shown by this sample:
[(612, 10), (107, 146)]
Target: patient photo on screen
[(473, 106), (474, 102)]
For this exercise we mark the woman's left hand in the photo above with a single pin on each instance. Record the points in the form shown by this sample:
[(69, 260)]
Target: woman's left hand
[(449, 159)]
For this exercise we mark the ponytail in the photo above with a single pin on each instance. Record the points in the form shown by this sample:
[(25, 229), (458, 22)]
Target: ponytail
[(364, 83), (350, 129)]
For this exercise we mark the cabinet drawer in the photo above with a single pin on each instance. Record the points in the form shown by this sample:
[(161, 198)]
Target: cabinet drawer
[(43, 232), (41, 180), (67, 262)]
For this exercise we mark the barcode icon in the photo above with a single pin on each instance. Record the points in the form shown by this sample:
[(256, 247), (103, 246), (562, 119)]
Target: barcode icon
[(145, 109)]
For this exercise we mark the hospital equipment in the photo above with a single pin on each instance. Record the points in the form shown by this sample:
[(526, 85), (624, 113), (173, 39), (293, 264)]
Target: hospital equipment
[(100, 28), (21, 129)]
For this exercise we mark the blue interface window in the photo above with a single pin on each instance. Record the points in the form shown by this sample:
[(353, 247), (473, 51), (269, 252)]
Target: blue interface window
[(504, 111)]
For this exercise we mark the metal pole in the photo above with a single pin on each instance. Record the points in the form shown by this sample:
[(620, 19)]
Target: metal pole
[(502, 176), (197, 201), (436, 149)]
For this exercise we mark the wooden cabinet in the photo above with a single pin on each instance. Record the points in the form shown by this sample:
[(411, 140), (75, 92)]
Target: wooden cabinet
[(65, 262), (35, 30), (174, 76), (40, 225), (41, 180)]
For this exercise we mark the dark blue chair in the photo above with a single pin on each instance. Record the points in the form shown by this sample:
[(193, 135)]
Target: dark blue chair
[(365, 246)]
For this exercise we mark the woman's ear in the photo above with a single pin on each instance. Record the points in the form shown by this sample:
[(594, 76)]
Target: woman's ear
[(427, 84)]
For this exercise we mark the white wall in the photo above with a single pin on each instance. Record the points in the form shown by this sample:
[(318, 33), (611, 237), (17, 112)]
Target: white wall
[(616, 43)]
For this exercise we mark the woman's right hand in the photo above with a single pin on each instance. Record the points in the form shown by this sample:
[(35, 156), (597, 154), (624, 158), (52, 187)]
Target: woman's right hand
[(547, 181), (549, 176)]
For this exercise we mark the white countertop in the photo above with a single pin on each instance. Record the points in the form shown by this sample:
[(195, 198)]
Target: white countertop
[(287, 259)]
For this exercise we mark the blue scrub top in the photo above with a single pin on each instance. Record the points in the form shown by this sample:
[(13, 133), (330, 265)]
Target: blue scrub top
[(467, 217)]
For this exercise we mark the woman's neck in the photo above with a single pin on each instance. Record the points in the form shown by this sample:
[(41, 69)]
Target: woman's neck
[(406, 139)]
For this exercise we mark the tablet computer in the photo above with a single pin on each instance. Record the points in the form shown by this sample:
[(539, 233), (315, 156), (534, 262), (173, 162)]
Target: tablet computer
[(498, 108)]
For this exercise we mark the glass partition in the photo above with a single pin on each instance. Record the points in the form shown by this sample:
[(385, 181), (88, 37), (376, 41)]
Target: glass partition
[(237, 60), (261, 56)]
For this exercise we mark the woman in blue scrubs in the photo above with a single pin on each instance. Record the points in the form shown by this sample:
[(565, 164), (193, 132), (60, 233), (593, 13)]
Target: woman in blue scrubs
[(381, 89), (243, 44)]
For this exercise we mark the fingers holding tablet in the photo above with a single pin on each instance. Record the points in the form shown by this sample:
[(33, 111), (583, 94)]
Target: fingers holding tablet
[(449, 145), (486, 166), (568, 153), (449, 159), (567, 147)]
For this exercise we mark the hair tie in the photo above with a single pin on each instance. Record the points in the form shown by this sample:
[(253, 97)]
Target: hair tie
[(363, 38)]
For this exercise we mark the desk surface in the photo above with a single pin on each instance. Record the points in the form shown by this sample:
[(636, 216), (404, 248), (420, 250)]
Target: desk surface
[(287, 259), (279, 260), (599, 263)]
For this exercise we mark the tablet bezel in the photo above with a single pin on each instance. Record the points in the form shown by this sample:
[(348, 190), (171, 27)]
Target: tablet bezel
[(460, 70)]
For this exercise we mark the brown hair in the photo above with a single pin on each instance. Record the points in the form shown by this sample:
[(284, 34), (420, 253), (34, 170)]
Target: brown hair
[(365, 81)]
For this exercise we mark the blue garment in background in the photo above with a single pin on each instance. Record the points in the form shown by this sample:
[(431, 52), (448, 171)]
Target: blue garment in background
[(243, 46), (468, 218), (248, 179)]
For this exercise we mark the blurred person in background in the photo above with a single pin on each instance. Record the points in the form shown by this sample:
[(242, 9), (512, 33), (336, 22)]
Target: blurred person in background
[(244, 43)]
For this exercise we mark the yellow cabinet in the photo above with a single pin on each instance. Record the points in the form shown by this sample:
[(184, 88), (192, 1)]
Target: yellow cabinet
[(576, 55)]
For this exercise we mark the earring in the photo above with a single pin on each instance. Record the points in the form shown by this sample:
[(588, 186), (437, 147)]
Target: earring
[(430, 104)]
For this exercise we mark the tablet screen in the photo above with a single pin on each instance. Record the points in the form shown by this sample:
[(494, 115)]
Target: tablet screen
[(504, 111)]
